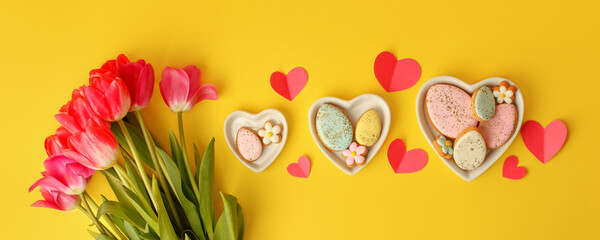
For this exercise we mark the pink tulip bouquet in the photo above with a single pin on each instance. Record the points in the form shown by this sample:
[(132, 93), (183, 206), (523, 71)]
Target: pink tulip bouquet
[(158, 196)]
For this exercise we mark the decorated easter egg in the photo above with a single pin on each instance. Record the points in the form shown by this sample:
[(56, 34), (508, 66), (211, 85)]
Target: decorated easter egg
[(500, 128), (469, 149), (368, 128), (483, 104), (449, 109), (333, 127), (248, 144)]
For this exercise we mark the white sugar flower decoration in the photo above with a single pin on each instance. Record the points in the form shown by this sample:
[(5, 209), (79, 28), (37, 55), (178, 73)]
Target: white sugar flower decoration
[(504, 93), (270, 133)]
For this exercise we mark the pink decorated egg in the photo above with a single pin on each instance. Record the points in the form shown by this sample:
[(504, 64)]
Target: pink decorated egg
[(248, 144), (500, 128), (449, 109)]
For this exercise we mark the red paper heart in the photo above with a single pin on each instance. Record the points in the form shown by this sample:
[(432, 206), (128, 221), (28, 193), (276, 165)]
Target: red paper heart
[(511, 170), (300, 169), (290, 85), (544, 143), (396, 75), (405, 162)]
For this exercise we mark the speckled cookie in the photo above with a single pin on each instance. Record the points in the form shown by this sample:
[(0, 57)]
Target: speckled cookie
[(248, 144), (368, 128), (469, 149), (333, 127), (449, 109), (483, 104), (501, 127)]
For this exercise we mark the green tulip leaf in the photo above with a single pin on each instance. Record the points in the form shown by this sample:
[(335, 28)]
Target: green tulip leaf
[(178, 158), (165, 226), (138, 141), (206, 185), (227, 227), (115, 184), (121, 211), (98, 236), (173, 176), (240, 217)]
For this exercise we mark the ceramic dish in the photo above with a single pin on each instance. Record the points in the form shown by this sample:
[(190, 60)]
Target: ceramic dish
[(239, 119), (354, 109), (431, 133)]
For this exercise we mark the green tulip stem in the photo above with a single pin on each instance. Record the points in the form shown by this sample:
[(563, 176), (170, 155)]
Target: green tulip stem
[(108, 220), (185, 156), (86, 209), (157, 167), (128, 182), (138, 162)]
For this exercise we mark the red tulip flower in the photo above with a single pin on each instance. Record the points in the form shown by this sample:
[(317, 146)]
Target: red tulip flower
[(107, 95), (181, 88), (64, 174), (139, 78), (95, 148), (57, 200), (76, 113), (57, 143)]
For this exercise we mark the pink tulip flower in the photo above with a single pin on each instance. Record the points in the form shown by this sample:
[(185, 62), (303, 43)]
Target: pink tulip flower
[(57, 143), (181, 88), (95, 148), (75, 114), (107, 95), (57, 200), (64, 174)]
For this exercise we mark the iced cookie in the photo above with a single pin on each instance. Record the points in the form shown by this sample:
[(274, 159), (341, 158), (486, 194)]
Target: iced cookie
[(449, 109), (483, 104), (333, 127), (505, 93), (501, 127), (355, 155), (368, 128), (270, 133), (248, 144), (469, 149), (443, 147)]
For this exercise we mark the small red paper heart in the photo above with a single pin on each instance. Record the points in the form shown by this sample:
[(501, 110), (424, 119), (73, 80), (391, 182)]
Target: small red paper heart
[(511, 170), (290, 85), (544, 143), (396, 75), (405, 162), (300, 169)]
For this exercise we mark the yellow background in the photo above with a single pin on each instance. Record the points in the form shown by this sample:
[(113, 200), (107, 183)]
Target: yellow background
[(549, 48)]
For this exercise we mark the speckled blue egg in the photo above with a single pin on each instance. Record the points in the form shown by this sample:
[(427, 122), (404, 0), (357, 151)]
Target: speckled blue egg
[(333, 127)]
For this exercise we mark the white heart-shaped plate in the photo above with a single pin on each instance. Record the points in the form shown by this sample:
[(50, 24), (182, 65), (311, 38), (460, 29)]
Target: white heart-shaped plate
[(430, 132), (354, 109), (239, 119)]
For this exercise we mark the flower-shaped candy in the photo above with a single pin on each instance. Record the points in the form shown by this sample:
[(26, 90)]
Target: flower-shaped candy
[(355, 155), (446, 145), (270, 133), (505, 92)]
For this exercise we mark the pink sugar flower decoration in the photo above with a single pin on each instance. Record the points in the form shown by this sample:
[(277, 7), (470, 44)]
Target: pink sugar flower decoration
[(355, 155)]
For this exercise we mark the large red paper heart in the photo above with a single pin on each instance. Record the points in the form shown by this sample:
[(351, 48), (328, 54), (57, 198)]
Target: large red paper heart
[(396, 75), (405, 162), (511, 169), (544, 143), (300, 169), (290, 85)]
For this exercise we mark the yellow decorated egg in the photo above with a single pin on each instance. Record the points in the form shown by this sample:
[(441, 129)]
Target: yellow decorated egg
[(368, 128)]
